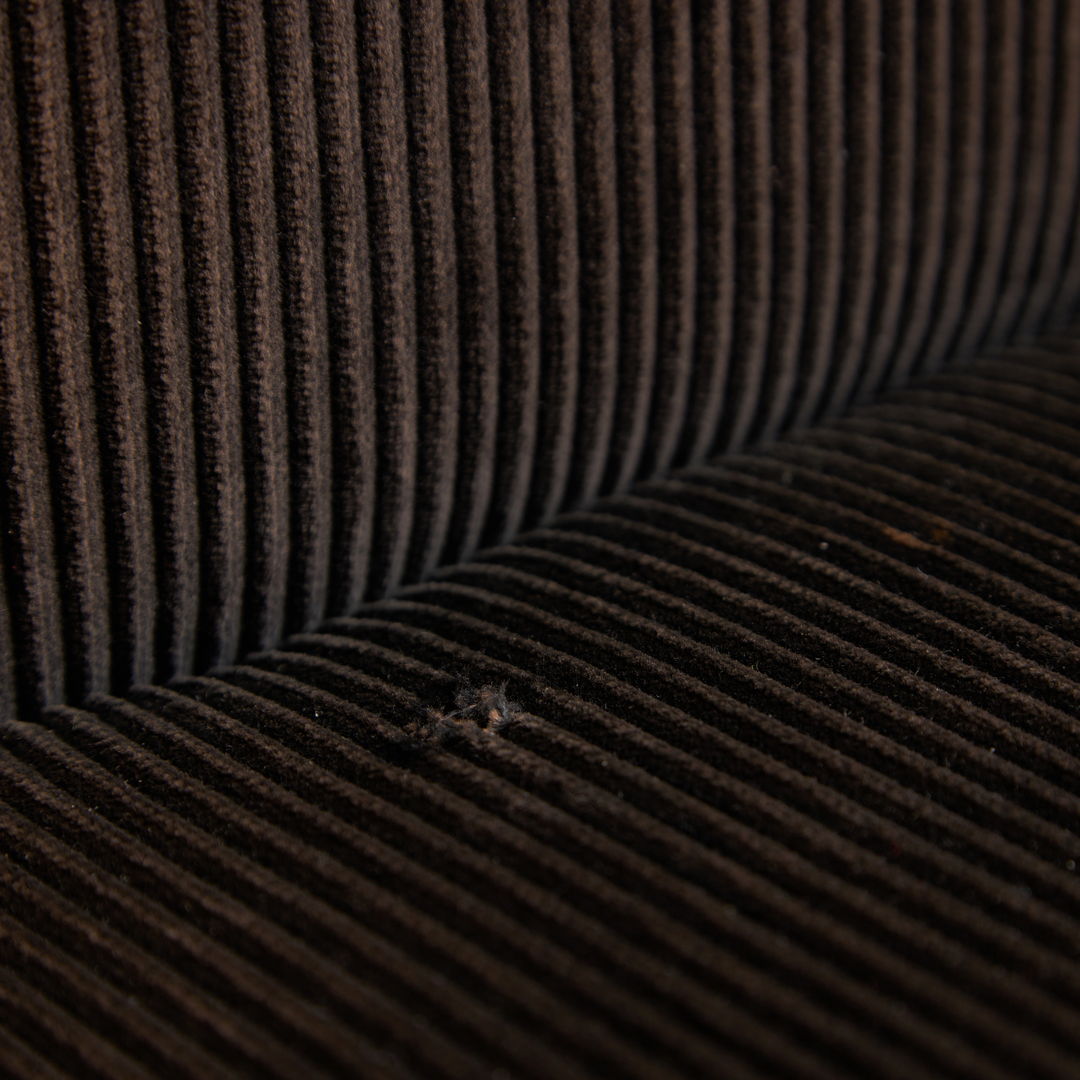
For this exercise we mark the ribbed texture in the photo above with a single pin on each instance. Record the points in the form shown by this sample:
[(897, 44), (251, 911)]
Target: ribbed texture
[(793, 791), (539, 539), (299, 301)]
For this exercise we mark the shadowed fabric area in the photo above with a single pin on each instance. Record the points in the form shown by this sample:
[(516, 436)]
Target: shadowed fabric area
[(539, 539)]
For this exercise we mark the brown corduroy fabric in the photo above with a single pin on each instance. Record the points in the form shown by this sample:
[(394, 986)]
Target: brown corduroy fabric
[(300, 301), (539, 539), (790, 787)]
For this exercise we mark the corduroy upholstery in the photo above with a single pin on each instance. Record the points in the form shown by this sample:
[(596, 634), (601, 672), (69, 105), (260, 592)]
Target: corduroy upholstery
[(691, 390)]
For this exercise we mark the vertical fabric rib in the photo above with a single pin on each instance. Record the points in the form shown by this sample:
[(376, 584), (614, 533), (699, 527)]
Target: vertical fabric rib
[(348, 299), (592, 78), (864, 162), (932, 157), (789, 178), (556, 215), (714, 119), (635, 165), (677, 235), (393, 299), (435, 297), (1064, 177), (972, 75), (218, 408), (472, 180), (1005, 32), (518, 264), (1034, 154), (174, 506), (59, 313), (1069, 275), (259, 315), (751, 74), (826, 146), (302, 300), (899, 104), (31, 595), (113, 292)]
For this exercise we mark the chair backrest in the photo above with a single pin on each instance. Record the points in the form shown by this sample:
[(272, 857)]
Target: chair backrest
[(299, 300)]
